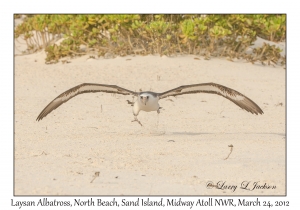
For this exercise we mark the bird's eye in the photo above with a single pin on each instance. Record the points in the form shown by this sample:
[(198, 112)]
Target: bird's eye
[(147, 97), (141, 97)]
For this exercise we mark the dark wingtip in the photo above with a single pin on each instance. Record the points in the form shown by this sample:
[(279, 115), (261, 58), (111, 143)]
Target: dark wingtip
[(39, 118), (260, 111)]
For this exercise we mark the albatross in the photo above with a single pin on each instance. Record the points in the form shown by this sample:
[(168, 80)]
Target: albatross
[(148, 101)]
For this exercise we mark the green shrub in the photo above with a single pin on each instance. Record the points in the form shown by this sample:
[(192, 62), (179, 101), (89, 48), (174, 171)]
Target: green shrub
[(205, 35)]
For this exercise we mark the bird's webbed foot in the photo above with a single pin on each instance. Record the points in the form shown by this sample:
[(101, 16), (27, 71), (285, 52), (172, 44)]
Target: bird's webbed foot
[(158, 110), (129, 102), (135, 119)]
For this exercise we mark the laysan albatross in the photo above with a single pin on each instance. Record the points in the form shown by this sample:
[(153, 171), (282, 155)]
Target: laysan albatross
[(148, 101)]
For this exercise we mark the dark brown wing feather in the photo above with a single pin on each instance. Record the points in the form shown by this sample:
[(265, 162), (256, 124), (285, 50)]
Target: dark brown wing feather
[(79, 89), (234, 96)]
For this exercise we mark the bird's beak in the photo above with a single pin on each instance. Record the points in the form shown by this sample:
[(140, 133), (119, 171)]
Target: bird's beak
[(144, 100)]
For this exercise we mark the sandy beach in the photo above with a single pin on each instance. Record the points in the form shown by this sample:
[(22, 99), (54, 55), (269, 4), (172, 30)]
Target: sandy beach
[(176, 152)]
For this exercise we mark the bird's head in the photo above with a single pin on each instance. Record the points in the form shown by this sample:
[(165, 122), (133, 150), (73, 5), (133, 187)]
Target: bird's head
[(144, 98)]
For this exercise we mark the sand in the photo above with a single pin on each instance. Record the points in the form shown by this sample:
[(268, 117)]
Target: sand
[(176, 152)]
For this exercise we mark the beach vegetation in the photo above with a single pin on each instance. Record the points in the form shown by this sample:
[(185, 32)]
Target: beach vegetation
[(229, 36)]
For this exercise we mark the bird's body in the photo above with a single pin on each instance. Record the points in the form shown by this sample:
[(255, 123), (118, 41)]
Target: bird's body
[(148, 101), (150, 105)]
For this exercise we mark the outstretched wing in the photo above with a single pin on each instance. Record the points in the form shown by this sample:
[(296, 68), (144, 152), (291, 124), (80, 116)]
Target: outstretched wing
[(79, 89), (234, 96)]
